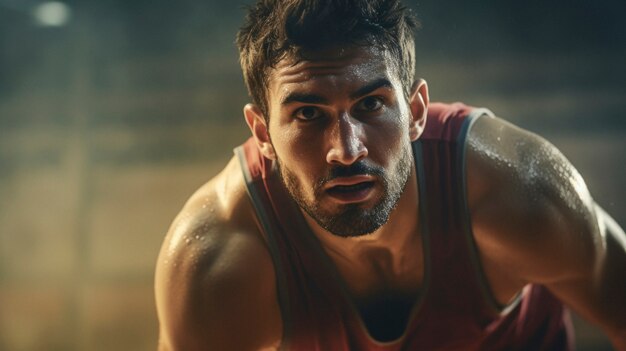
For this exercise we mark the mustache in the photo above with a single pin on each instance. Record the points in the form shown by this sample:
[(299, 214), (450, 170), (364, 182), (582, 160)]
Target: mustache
[(355, 169)]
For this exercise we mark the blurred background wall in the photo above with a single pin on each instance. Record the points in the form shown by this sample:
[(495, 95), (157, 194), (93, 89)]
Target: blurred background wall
[(112, 112)]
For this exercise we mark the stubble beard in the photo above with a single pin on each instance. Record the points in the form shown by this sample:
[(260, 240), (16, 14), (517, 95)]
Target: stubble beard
[(352, 220)]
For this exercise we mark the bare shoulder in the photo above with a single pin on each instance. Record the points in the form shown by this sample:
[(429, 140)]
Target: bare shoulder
[(215, 283), (529, 206)]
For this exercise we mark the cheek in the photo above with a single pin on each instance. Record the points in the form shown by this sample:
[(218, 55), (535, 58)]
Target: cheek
[(387, 138), (301, 155), (295, 144)]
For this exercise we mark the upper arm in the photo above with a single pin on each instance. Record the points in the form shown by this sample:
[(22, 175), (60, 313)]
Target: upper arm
[(531, 211), (215, 287)]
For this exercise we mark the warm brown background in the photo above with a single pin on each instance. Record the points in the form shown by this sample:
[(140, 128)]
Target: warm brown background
[(108, 123)]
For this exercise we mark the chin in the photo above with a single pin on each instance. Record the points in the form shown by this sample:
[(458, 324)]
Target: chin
[(352, 221)]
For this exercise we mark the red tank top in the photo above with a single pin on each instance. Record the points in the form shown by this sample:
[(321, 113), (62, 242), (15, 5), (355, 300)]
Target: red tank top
[(454, 310)]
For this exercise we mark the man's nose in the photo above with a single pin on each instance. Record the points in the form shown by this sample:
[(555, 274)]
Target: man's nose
[(346, 141)]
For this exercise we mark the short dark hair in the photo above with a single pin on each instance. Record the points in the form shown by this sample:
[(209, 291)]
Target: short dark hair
[(275, 29)]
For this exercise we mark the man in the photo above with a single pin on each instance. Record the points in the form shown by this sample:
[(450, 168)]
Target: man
[(361, 217)]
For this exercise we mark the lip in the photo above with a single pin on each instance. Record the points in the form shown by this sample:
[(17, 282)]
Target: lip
[(347, 181), (351, 190)]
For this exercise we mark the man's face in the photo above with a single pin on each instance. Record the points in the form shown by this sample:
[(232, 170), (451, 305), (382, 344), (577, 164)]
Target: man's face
[(339, 127)]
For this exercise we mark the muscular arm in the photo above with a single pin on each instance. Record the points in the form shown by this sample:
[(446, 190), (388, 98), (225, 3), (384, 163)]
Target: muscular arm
[(533, 217), (604, 290), (215, 285)]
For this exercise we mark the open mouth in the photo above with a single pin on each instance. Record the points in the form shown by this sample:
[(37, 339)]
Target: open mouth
[(351, 188), (357, 192)]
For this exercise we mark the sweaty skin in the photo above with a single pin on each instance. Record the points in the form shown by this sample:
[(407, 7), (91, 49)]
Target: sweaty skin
[(532, 217)]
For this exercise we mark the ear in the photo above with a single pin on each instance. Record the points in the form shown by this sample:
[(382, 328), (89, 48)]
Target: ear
[(418, 103), (260, 130)]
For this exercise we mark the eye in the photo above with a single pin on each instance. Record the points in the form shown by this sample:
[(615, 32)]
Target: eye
[(307, 113), (370, 104)]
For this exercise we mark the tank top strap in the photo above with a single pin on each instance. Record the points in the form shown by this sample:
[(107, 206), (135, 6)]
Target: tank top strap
[(453, 291), (254, 168), (309, 296)]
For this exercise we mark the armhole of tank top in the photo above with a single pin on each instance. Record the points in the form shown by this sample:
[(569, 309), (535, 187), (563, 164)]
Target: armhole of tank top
[(469, 235), (264, 220)]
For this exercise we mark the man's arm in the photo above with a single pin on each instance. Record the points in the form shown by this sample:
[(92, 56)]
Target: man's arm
[(608, 284), (215, 283), (532, 215)]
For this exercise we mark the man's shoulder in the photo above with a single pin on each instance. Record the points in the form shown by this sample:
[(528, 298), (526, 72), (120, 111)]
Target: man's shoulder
[(213, 261), (217, 223), (520, 169), (525, 198), (503, 157), (218, 213)]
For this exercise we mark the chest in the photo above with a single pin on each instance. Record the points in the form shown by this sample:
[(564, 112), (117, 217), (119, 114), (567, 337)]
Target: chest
[(384, 289)]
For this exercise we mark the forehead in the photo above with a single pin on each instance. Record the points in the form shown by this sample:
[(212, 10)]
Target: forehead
[(332, 69)]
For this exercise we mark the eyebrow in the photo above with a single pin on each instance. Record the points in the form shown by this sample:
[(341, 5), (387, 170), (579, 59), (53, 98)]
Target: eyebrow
[(370, 87), (317, 99), (304, 98)]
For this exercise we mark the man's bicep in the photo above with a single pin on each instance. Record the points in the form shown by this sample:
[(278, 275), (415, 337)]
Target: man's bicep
[(217, 294), (586, 270), (599, 293), (610, 274), (180, 295)]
